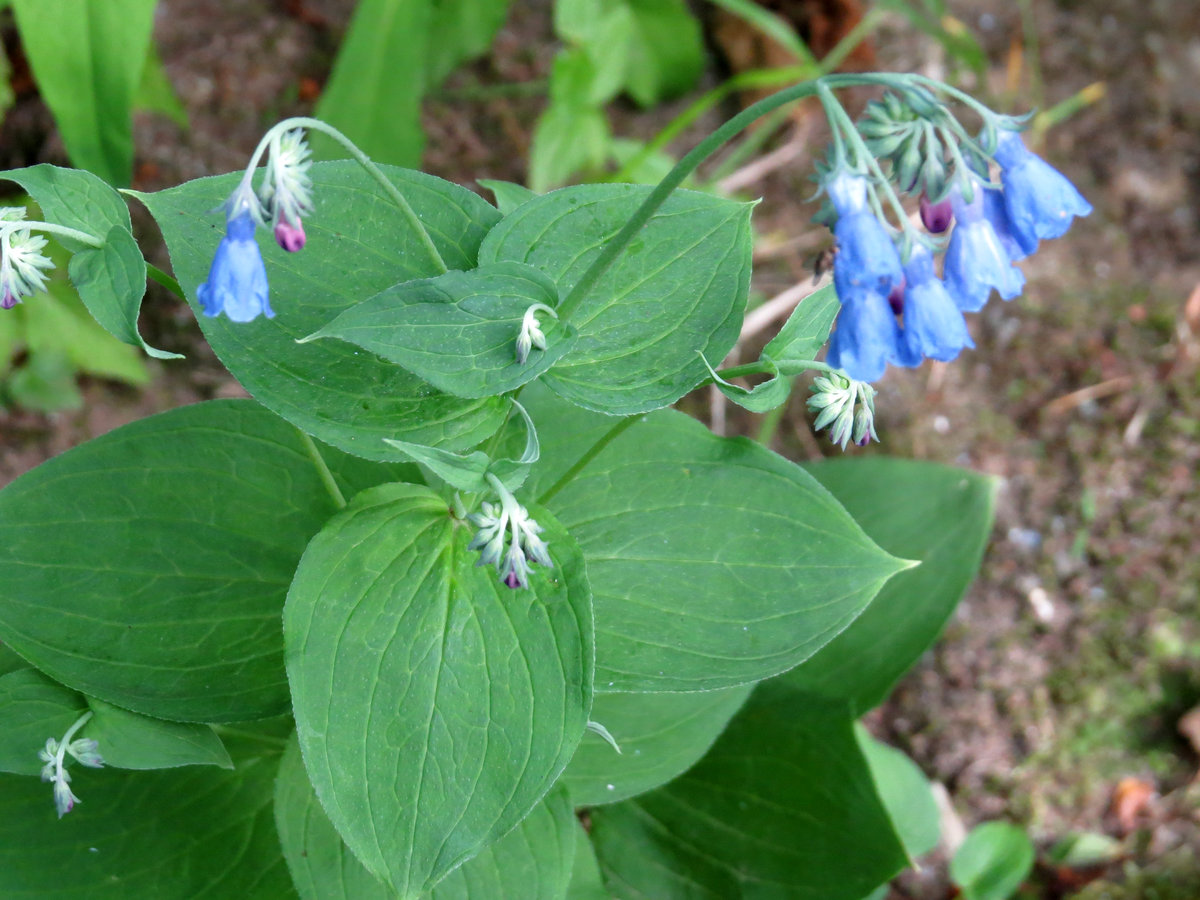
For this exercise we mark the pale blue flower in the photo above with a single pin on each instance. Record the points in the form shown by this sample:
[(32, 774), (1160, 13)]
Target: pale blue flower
[(1040, 201), (934, 327), (865, 338), (976, 261), (237, 280)]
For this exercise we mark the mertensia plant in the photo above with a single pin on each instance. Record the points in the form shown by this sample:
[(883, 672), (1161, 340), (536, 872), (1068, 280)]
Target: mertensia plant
[(456, 573)]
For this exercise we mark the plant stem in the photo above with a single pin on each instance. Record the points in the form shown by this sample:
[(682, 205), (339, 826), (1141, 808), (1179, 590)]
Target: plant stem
[(75, 234), (159, 276), (323, 470), (592, 452), (770, 424), (787, 367), (658, 196), (365, 161)]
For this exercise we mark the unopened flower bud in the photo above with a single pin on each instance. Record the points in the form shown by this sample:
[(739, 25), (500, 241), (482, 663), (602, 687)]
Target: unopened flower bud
[(936, 216), (290, 237)]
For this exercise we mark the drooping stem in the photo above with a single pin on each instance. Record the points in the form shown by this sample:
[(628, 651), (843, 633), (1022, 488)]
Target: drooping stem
[(323, 472), (158, 275), (592, 452), (49, 228), (363, 160), (786, 368), (658, 196)]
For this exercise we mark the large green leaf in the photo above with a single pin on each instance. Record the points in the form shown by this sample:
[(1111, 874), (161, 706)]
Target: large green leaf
[(87, 57), (148, 567), (782, 806), (937, 514), (459, 331), (676, 292), (462, 29), (111, 279), (33, 708), (374, 92), (531, 862), (358, 245), (660, 736), (713, 562), (131, 741), (905, 793), (435, 707), (184, 834), (586, 881)]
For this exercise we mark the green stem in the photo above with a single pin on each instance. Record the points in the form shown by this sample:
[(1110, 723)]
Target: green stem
[(49, 228), (159, 276), (658, 196), (770, 424), (786, 368), (363, 160), (607, 438), (323, 470)]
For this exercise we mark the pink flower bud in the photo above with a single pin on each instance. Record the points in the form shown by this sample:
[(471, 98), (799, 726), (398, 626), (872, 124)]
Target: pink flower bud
[(936, 216), (290, 237), (9, 300)]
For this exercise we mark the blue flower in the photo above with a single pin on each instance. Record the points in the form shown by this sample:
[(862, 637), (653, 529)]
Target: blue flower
[(1017, 246), (976, 260), (866, 260), (866, 337), (934, 327), (237, 281), (1039, 199)]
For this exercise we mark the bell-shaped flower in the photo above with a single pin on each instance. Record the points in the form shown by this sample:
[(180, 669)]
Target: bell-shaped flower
[(867, 261), (934, 327), (976, 261), (237, 280), (994, 210), (1040, 201), (866, 337)]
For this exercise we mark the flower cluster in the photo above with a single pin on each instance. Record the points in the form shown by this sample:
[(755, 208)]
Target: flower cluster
[(22, 263), (531, 334), (846, 406), (237, 279), (83, 751), (508, 538), (894, 307)]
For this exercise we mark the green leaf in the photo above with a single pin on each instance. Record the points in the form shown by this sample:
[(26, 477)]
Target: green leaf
[(111, 279), (57, 321), (586, 881), (782, 806), (572, 135), (374, 92), (9, 660), (87, 58), (459, 331), (460, 30), (148, 567), (46, 383), (807, 328), (32, 709), (905, 793), (676, 292), (508, 195), (462, 471), (667, 52), (992, 862), (156, 94), (435, 707), (358, 244), (531, 862), (660, 735), (131, 741), (936, 514), (760, 398), (713, 562), (197, 833)]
